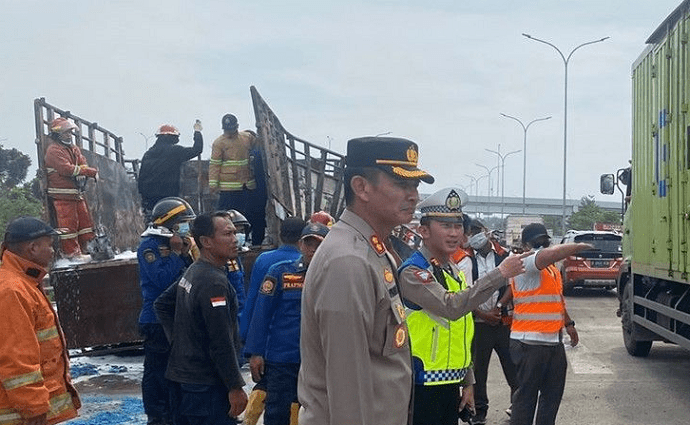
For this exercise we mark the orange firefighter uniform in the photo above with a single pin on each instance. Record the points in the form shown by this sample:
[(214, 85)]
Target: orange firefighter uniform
[(64, 163), (34, 365)]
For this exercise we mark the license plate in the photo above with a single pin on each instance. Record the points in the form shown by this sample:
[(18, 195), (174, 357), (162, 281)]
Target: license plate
[(600, 263)]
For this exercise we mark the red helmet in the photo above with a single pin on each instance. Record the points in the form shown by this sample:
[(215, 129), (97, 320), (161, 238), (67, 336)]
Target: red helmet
[(61, 124), (168, 129), (322, 217)]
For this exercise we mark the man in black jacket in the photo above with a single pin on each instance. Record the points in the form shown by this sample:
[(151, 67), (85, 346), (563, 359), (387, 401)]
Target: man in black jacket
[(201, 323), (159, 174), (491, 326)]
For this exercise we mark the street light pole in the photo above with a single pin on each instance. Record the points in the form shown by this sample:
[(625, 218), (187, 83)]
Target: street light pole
[(565, 105), (524, 152), (502, 169), (488, 173)]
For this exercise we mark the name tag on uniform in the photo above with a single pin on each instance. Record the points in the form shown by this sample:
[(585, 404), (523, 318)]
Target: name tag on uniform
[(293, 281)]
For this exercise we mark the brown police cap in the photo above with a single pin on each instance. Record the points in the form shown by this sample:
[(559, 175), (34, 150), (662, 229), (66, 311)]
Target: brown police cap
[(394, 155)]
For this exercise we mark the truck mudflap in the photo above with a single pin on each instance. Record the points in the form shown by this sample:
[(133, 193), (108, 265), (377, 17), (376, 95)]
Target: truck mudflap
[(98, 303)]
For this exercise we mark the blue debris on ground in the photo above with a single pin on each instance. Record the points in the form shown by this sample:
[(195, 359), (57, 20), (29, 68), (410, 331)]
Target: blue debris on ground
[(117, 369), (77, 370), (111, 411)]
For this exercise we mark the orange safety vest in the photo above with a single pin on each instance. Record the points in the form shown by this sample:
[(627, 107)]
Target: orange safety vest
[(540, 310)]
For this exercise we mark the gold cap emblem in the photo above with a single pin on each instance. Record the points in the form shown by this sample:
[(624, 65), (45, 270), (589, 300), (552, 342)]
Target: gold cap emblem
[(412, 155)]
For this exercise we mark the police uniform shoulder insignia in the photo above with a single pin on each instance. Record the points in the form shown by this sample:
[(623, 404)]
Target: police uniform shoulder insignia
[(401, 311), (377, 244), (268, 286), (149, 255), (424, 276), (400, 335), (164, 250), (388, 275)]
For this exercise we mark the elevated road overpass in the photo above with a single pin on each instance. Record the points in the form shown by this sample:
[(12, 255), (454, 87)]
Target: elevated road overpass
[(540, 206)]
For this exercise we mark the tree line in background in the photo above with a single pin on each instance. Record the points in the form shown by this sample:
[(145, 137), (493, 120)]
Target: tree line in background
[(17, 197), (587, 214)]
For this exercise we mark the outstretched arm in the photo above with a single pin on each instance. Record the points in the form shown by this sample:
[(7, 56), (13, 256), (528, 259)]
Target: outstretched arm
[(558, 252)]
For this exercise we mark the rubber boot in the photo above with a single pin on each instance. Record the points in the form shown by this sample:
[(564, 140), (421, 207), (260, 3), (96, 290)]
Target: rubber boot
[(255, 407), (294, 413)]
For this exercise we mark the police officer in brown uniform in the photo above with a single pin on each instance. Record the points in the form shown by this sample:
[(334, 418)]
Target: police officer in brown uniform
[(356, 364)]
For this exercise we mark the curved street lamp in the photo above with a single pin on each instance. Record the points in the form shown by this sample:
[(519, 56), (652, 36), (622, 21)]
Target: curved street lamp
[(566, 60), (488, 172), (524, 152), (502, 169)]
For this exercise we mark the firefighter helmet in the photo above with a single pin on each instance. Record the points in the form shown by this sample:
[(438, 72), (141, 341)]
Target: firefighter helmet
[(61, 124), (168, 129), (229, 122), (169, 211), (322, 217), (239, 220)]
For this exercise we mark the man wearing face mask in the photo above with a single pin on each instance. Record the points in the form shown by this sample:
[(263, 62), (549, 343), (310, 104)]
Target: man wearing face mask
[(491, 329), (67, 171), (163, 255)]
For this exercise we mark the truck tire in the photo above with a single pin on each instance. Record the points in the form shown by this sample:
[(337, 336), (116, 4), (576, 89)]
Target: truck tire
[(635, 348)]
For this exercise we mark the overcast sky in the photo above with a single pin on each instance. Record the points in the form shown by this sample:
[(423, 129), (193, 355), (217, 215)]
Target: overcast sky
[(437, 72)]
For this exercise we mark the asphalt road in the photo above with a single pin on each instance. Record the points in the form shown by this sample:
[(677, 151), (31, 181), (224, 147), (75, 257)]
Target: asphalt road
[(605, 385)]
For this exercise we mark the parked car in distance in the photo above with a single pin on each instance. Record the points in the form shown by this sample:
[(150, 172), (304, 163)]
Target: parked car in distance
[(596, 267)]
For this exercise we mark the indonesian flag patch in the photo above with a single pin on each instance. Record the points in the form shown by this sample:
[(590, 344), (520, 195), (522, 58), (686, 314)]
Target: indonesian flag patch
[(218, 302)]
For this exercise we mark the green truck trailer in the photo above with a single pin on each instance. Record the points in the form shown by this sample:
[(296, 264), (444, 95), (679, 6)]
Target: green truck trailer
[(654, 283)]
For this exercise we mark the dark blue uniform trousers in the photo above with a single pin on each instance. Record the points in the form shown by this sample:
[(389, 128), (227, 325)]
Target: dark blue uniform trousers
[(197, 404), (155, 389), (281, 392)]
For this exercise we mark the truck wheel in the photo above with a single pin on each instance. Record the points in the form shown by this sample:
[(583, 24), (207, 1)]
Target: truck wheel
[(635, 348)]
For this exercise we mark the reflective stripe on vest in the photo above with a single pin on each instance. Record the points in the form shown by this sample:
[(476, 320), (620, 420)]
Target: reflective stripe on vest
[(540, 310), (443, 346)]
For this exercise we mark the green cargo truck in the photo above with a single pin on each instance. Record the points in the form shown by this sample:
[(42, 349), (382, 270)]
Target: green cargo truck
[(654, 283)]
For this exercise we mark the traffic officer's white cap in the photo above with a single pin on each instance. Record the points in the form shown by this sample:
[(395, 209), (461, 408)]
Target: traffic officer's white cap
[(444, 205)]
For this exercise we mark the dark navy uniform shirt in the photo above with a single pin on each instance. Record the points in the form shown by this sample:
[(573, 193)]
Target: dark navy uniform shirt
[(275, 326)]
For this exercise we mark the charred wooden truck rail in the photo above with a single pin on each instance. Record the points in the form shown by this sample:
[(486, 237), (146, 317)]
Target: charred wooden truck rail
[(301, 178)]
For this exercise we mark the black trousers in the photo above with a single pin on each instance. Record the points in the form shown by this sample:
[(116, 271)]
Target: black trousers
[(488, 338), (436, 404), (155, 389), (541, 371)]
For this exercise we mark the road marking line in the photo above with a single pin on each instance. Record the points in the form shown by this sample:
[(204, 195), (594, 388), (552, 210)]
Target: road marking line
[(582, 361)]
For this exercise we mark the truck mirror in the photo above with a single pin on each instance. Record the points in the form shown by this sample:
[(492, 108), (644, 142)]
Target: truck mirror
[(607, 184)]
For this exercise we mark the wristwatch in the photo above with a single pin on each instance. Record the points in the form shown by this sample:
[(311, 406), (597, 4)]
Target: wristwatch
[(571, 323)]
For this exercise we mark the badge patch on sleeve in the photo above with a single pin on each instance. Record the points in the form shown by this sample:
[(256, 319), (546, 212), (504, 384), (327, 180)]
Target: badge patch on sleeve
[(218, 302), (424, 276), (149, 256), (268, 286), (293, 281)]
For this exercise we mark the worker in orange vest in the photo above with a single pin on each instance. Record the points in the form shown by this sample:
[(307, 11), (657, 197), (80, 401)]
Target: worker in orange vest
[(536, 339)]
